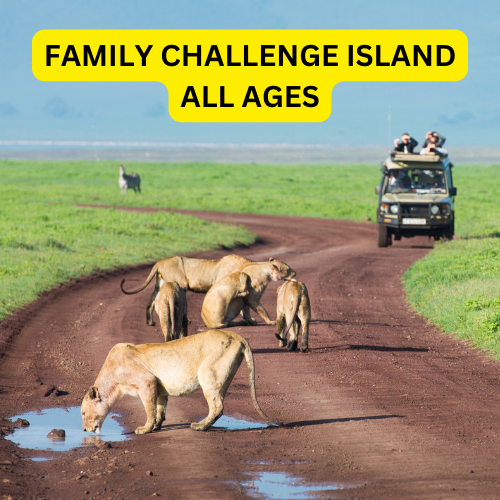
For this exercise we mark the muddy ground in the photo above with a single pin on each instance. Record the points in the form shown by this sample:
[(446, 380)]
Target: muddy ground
[(383, 405)]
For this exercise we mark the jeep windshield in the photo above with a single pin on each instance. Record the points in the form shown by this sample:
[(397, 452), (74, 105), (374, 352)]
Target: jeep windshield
[(415, 180)]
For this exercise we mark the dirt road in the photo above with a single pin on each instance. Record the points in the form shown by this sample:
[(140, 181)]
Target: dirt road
[(383, 405)]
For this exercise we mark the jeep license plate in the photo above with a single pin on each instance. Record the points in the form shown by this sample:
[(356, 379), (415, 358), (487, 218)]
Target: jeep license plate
[(419, 222)]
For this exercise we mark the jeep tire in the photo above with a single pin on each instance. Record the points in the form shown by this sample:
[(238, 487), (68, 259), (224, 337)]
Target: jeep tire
[(383, 237)]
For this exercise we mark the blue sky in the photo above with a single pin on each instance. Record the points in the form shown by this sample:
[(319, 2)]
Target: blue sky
[(466, 112)]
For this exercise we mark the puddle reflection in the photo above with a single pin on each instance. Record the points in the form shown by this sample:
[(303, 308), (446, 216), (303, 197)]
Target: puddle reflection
[(232, 424), (42, 422), (277, 485)]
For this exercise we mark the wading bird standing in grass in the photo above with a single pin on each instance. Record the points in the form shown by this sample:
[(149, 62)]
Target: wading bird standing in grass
[(132, 181)]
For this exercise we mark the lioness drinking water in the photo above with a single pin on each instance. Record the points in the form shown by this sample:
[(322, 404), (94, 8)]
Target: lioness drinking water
[(154, 372)]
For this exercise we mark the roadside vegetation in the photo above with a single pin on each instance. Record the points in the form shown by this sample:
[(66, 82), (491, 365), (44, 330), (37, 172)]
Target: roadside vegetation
[(334, 192), (457, 286), (46, 239)]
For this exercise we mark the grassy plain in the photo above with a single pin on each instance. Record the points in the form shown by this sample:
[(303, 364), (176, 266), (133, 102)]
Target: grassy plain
[(337, 192), (45, 239), (457, 285)]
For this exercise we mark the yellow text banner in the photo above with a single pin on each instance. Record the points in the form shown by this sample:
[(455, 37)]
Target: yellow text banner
[(250, 75)]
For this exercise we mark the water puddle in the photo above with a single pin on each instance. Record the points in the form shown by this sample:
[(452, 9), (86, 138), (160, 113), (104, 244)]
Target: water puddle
[(233, 424), (42, 422), (277, 485)]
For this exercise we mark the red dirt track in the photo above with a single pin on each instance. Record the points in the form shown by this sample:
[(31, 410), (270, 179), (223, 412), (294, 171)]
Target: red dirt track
[(383, 404)]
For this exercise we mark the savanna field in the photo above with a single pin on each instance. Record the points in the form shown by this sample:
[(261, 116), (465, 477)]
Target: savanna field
[(45, 238)]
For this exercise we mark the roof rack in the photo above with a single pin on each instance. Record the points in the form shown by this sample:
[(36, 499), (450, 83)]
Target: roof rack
[(409, 157)]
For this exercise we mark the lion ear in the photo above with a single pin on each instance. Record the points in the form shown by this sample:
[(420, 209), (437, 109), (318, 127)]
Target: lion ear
[(94, 393), (276, 267), (271, 259)]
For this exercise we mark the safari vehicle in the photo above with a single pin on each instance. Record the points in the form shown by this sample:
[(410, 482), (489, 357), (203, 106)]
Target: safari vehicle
[(415, 198)]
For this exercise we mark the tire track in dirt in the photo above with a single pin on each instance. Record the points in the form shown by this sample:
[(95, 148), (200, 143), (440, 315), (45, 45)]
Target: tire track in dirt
[(382, 403)]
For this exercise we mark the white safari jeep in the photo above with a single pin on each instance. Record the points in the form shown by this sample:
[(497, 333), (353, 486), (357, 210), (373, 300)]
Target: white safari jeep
[(415, 198)]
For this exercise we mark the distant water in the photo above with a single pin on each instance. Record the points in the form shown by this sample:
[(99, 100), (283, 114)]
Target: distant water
[(9, 144)]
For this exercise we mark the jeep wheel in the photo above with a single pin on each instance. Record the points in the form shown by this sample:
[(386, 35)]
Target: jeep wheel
[(449, 232), (383, 237)]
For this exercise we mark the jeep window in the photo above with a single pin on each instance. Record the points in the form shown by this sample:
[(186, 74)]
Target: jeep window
[(415, 180)]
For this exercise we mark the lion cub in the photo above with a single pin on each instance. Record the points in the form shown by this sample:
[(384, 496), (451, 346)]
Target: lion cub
[(224, 301), (293, 310), (171, 306)]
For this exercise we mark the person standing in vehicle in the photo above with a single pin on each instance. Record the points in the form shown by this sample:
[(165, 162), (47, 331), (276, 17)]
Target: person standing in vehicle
[(432, 147), (406, 144), (438, 139)]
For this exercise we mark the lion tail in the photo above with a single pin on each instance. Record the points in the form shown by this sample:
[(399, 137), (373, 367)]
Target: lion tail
[(251, 379), (152, 274)]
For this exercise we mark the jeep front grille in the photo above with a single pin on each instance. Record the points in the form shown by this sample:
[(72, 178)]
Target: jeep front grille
[(414, 210)]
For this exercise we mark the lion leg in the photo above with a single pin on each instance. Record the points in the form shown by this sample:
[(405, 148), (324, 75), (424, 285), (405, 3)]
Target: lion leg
[(184, 329), (294, 335), (150, 305), (214, 379), (161, 408), (165, 325), (215, 411), (280, 328), (245, 312), (259, 309), (304, 345), (148, 392)]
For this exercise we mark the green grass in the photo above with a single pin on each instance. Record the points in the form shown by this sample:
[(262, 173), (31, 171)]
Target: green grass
[(45, 239), (457, 286), (316, 191)]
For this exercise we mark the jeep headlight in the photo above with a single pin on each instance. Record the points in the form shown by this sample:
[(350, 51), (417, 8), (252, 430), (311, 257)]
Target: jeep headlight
[(394, 209), (384, 208), (445, 208), (434, 209)]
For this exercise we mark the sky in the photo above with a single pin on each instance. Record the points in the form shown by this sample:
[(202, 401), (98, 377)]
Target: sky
[(466, 112)]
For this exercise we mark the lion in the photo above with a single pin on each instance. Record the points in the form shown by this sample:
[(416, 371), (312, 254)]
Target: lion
[(197, 275), (154, 372), (224, 301), (171, 306), (293, 310), (261, 273)]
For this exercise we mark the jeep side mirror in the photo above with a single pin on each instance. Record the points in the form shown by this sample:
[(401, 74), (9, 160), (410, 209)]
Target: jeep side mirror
[(377, 189), (453, 191)]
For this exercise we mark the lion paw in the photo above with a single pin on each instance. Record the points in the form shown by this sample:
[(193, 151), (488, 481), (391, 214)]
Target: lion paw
[(198, 426), (143, 430)]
